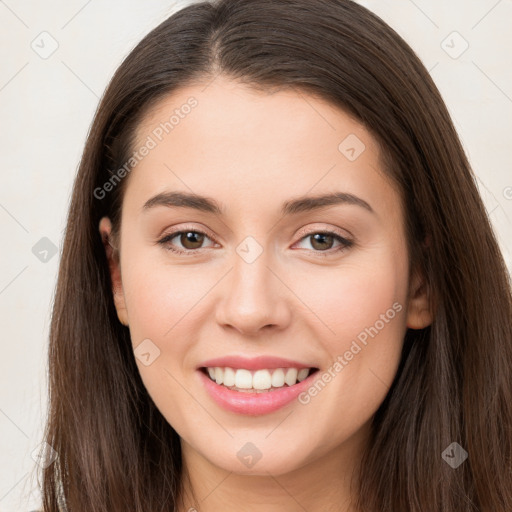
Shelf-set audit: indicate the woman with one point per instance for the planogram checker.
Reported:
(208, 350)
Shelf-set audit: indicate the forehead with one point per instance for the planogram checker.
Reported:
(245, 147)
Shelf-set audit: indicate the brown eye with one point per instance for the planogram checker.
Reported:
(185, 241)
(191, 239)
(322, 241)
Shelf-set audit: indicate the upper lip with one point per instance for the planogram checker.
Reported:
(253, 363)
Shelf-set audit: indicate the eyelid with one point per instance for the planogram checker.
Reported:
(302, 233)
(183, 229)
(187, 227)
(331, 229)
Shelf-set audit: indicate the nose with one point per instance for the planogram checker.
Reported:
(253, 298)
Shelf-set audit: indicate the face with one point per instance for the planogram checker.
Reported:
(264, 274)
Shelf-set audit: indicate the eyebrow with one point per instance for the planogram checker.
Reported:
(290, 207)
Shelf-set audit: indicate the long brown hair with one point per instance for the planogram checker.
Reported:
(454, 383)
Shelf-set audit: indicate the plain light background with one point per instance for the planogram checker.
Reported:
(47, 103)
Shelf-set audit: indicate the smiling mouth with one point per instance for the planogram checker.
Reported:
(257, 381)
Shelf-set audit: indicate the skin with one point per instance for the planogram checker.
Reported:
(252, 151)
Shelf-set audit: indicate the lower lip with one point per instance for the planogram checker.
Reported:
(254, 404)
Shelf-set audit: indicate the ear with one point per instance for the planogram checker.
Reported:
(105, 228)
(419, 313)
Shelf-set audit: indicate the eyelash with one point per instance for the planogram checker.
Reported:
(346, 244)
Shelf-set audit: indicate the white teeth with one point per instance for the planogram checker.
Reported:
(243, 379)
(303, 373)
(259, 379)
(262, 380)
(291, 376)
(278, 378)
(229, 377)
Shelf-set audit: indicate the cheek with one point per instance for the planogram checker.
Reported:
(363, 322)
(365, 309)
(161, 297)
(352, 297)
(163, 302)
